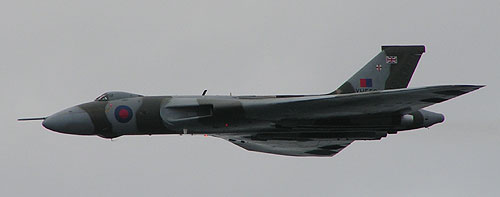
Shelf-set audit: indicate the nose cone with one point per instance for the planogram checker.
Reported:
(70, 121)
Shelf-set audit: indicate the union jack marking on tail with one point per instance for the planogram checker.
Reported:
(391, 59)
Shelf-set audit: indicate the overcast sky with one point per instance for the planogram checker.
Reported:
(56, 54)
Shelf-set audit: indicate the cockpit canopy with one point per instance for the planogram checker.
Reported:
(115, 95)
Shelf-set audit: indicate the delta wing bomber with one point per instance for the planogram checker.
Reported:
(373, 103)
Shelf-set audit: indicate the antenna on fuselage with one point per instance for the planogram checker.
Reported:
(204, 92)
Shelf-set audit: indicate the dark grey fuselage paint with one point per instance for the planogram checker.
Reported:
(148, 115)
(96, 111)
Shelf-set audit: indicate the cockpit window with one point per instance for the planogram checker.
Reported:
(103, 97)
(115, 95)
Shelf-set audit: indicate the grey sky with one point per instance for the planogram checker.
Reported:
(55, 54)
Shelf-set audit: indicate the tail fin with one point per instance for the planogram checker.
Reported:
(390, 69)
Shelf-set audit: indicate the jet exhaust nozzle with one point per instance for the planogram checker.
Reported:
(420, 119)
(407, 120)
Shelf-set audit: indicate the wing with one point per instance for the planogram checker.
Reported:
(307, 144)
(400, 100)
(386, 101)
(412, 99)
(290, 144)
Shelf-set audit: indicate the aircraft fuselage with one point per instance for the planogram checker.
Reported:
(148, 115)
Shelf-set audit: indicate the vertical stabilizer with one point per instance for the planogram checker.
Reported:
(390, 69)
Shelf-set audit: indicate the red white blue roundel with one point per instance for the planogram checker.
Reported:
(123, 113)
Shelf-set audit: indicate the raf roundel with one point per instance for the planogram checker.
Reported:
(123, 113)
